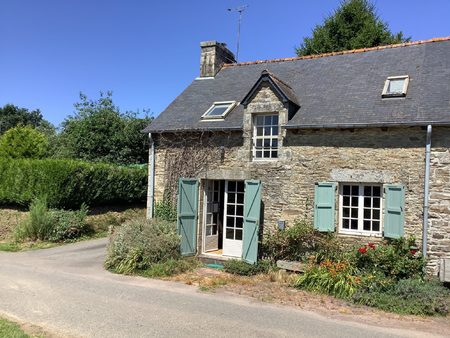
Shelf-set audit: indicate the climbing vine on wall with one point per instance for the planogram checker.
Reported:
(188, 155)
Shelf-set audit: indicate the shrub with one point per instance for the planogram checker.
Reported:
(52, 225)
(298, 242)
(166, 211)
(408, 296)
(333, 278)
(171, 267)
(40, 223)
(139, 244)
(242, 268)
(23, 142)
(69, 225)
(395, 260)
(68, 183)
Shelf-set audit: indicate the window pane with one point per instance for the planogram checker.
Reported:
(267, 143)
(230, 234)
(208, 230)
(375, 226)
(367, 213)
(366, 226)
(240, 198)
(259, 131)
(354, 224)
(376, 214)
(396, 86)
(268, 120)
(230, 210)
(239, 222)
(231, 197)
(274, 143)
(275, 119)
(346, 201)
(367, 191)
(376, 191)
(258, 154)
(354, 201)
(355, 212)
(346, 190)
(240, 186)
(274, 154)
(345, 223)
(275, 131)
(267, 131)
(376, 202)
(346, 212)
(238, 234)
(218, 110)
(231, 186)
(240, 210)
(230, 222)
(267, 154)
(367, 201)
(355, 190)
(259, 143)
(259, 120)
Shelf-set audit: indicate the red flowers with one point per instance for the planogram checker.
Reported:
(372, 246)
(362, 249)
(413, 251)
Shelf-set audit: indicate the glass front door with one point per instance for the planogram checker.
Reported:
(233, 218)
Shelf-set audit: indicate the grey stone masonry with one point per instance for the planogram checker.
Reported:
(213, 56)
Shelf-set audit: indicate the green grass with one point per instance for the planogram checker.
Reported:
(170, 268)
(11, 330)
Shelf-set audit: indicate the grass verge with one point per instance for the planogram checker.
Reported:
(11, 330)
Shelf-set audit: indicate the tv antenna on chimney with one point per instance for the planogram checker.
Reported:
(239, 9)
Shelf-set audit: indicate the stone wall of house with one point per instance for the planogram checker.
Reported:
(439, 214)
(366, 155)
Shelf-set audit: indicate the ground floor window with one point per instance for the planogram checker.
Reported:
(360, 209)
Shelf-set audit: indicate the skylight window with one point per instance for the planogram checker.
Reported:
(218, 110)
(396, 86)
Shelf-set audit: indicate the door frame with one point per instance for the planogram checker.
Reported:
(204, 210)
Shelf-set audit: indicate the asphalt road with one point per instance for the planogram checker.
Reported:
(66, 291)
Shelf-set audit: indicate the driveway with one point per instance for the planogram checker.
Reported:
(66, 291)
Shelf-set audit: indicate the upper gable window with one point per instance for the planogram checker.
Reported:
(265, 137)
(396, 86)
(218, 110)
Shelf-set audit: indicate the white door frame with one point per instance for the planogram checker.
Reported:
(207, 185)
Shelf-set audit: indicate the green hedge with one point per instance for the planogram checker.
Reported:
(69, 183)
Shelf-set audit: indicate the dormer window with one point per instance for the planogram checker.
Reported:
(396, 86)
(218, 110)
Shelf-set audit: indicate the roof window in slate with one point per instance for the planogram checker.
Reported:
(218, 110)
(395, 86)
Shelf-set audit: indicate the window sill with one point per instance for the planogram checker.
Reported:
(360, 233)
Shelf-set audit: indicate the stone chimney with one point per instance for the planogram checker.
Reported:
(213, 55)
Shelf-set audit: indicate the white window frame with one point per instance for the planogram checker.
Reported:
(255, 137)
(360, 231)
(399, 94)
(206, 117)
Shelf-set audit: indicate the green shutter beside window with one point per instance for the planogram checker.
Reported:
(187, 215)
(324, 206)
(394, 210)
(252, 214)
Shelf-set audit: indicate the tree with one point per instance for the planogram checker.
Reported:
(23, 142)
(98, 131)
(12, 116)
(353, 25)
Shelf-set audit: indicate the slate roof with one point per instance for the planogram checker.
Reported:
(340, 89)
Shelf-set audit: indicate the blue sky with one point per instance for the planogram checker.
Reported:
(147, 52)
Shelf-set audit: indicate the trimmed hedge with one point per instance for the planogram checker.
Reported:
(69, 183)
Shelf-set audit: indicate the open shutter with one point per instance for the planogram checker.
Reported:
(252, 214)
(187, 215)
(394, 206)
(324, 206)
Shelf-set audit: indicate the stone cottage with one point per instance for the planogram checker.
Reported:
(357, 142)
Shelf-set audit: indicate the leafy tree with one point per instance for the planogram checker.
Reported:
(353, 25)
(98, 131)
(12, 116)
(23, 142)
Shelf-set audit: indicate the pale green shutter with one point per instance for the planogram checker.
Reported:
(187, 215)
(252, 214)
(394, 214)
(324, 206)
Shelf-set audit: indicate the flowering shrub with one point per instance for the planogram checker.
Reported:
(395, 260)
(334, 278)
